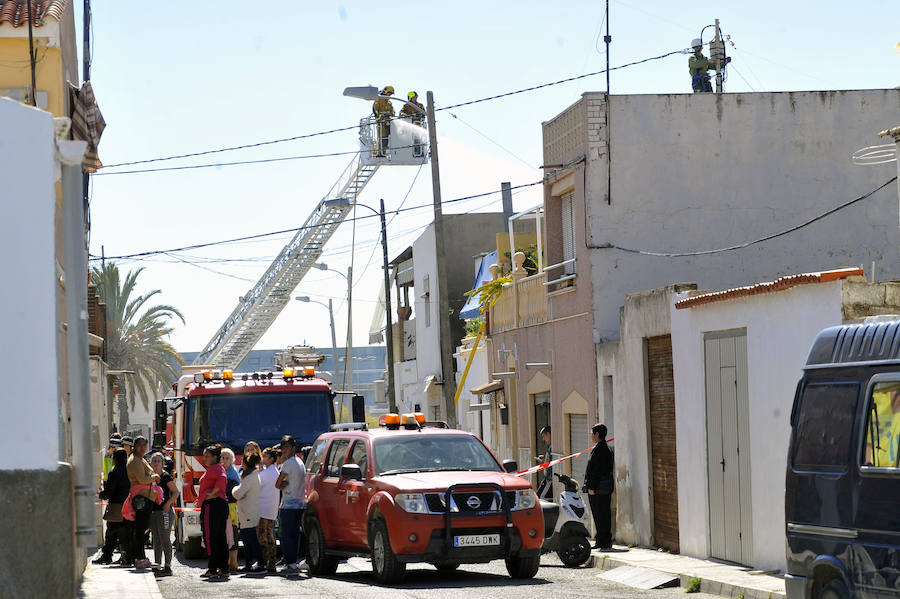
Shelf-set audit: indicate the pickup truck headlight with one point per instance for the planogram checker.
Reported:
(525, 499)
(414, 503)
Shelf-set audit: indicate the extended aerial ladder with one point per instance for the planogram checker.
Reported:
(258, 309)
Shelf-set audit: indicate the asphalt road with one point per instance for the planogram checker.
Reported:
(354, 580)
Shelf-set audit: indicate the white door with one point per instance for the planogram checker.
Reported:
(728, 446)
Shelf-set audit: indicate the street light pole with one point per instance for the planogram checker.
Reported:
(307, 299)
(449, 384)
(389, 325)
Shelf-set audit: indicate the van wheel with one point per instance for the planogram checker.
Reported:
(320, 563)
(835, 589)
(523, 567)
(385, 565)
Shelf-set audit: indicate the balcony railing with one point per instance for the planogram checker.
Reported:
(522, 303)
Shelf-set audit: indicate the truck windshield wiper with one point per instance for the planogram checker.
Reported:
(407, 471)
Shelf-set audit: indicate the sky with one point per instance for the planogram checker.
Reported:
(176, 78)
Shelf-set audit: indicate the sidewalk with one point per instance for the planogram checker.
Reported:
(103, 582)
(718, 578)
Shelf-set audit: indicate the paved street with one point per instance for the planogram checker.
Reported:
(354, 579)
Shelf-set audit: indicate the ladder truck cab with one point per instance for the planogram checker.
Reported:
(219, 406)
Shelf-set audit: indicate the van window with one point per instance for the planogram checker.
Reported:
(880, 444)
(824, 426)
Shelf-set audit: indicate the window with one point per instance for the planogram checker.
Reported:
(824, 426)
(360, 457)
(336, 457)
(316, 455)
(567, 211)
(881, 444)
(397, 454)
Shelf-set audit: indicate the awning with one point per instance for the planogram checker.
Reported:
(482, 276)
(494, 385)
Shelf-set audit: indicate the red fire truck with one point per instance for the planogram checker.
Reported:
(218, 406)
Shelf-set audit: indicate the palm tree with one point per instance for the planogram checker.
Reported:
(137, 342)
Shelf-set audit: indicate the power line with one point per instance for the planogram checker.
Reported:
(755, 241)
(339, 129)
(567, 80)
(236, 163)
(231, 148)
(296, 229)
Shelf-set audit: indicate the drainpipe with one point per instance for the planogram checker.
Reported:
(69, 154)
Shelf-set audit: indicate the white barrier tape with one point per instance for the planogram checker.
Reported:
(552, 463)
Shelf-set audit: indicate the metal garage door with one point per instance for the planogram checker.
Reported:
(662, 441)
(578, 440)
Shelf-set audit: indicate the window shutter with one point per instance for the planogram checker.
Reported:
(567, 201)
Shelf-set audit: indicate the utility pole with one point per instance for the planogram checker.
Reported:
(449, 383)
(607, 39)
(86, 71)
(31, 56)
(389, 325)
(719, 60)
(506, 195)
(334, 354)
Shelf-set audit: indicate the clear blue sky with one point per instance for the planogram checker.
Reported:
(181, 77)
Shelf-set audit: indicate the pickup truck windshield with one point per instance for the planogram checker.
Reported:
(235, 418)
(431, 453)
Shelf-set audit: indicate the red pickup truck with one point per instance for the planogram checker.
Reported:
(413, 491)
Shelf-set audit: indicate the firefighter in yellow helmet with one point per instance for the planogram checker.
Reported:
(384, 112)
(414, 112)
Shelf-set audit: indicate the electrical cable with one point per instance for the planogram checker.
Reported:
(567, 80)
(755, 241)
(235, 163)
(296, 229)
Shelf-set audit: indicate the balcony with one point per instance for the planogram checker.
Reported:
(522, 303)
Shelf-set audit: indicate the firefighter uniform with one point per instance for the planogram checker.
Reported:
(384, 112)
(414, 112)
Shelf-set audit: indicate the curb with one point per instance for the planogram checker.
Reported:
(604, 561)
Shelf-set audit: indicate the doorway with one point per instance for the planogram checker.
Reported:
(728, 446)
(664, 463)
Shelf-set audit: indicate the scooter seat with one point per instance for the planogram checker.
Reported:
(551, 515)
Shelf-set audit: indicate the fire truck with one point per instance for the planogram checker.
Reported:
(219, 406)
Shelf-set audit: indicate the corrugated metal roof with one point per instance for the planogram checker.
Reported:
(771, 287)
(16, 15)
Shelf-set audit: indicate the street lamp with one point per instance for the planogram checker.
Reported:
(334, 358)
(348, 348)
(371, 94)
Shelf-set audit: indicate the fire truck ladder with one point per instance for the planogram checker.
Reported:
(259, 308)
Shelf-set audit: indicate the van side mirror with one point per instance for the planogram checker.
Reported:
(511, 466)
(351, 472)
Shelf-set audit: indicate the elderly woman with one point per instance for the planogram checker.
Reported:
(162, 516)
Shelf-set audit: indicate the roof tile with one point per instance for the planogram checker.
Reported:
(16, 15)
(781, 284)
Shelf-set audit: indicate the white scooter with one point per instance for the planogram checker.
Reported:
(566, 525)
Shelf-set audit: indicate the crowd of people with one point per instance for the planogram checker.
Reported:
(235, 504)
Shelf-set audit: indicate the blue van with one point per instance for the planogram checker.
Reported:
(842, 499)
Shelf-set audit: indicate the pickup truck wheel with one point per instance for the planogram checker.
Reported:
(523, 567)
(385, 565)
(448, 567)
(319, 562)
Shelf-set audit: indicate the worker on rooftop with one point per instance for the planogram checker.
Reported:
(414, 112)
(384, 112)
(698, 65)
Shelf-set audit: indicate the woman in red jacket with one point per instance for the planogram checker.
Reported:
(214, 512)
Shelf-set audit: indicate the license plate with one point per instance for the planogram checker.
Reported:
(475, 540)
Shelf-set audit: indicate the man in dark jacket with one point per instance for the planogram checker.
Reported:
(598, 481)
(115, 492)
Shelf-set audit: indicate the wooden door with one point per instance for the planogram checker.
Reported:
(661, 385)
